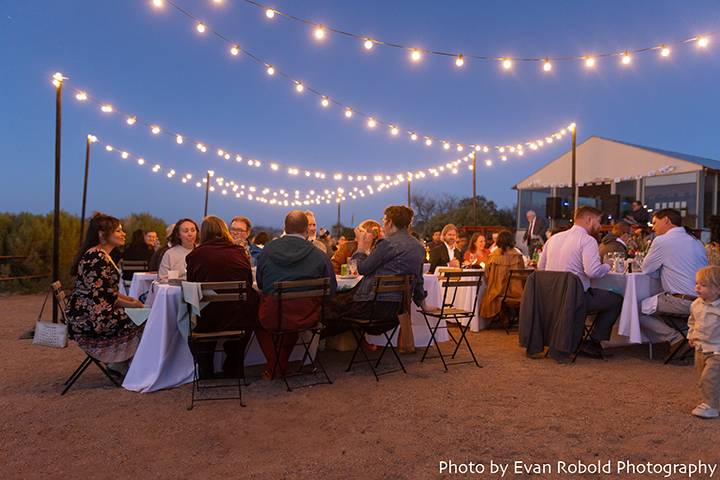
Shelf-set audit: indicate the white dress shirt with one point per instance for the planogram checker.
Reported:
(451, 251)
(573, 251)
(677, 256)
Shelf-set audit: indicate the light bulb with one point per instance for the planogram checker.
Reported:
(415, 55)
(428, 141)
(477, 148)
(488, 162)
(270, 70)
(201, 27)
(348, 112)
(394, 130)
(590, 62)
(665, 51)
(626, 58)
(413, 136)
(155, 129)
(459, 61)
(92, 138)
(124, 155)
(131, 120)
(82, 96)
(179, 139)
(507, 64)
(270, 13)
(157, 3)
(107, 108)
(371, 122)
(109, 148)
(235, 50)
(325, 102)
(446, 145)
(547, 66)
(141, 161)
(368, 44)
(319, 32)
(459, 148)
(703, 41)
(299, 87)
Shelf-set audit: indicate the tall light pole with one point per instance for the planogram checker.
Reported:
(58, 82)
(474, 186)
(574, 173)
(90, 139)
(207, 192)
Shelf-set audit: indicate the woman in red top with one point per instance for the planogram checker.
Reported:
(477, 251)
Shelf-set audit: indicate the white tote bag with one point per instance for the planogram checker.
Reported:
(49, 334)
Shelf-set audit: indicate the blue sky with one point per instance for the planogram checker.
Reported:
(154, 64)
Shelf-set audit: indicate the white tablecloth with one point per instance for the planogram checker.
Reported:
(163, 358)
(141, 283)
(634, 287)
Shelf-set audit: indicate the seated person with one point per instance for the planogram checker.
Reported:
(617, 240)
(477, 252)
(260, 240)
(676, 256)
(240, 229)
(138, 250)
(312, 232)
(497, 270)
(218, 259)
(347, 248)
(182, 240)
(156, 258)
(576, 251)
(290, 257)
(446, 254)
(95, 309)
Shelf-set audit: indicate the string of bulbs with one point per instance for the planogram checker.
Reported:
(202, 146)
(321, 32)
(326, 101)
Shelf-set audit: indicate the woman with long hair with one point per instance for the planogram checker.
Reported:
(477, 251)
(182, 240)
(219, 259)
(497, 271)
(96, 318)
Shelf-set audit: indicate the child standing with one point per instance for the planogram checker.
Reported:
(704, 335)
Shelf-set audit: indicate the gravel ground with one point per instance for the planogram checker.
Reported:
(513, 409)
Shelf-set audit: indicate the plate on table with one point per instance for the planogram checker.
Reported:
(347, 277)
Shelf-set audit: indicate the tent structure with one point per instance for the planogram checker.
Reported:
(611, 174)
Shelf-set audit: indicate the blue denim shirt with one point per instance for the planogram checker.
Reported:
(397, 254)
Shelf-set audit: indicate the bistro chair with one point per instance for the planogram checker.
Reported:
(130, 267)
(216, 292)
(316, 290)
(588, 328)
(375, 325)
(59, 295)
(679, 324)
(511, 305)
(450, 314)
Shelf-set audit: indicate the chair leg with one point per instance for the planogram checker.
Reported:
(463, 336)
(194, 385)
(587, 331)
(358, 345)
(278, 338)
(392, 349)
(433, 331)
(80, 367)
(71, 381)
(105, 371)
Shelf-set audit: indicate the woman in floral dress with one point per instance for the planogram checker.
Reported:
(96, 317)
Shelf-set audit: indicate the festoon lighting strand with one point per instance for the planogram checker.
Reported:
(321, 32)
(326, 101)
(203, 146)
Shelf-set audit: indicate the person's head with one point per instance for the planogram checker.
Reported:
(505, 241)
(707, 283)
(312, 224)
(477, 242)
(151, 239)
(296, 223)
(622, 230)
(396, 218)
(214, 228)
(261, 238)
(371, 226)
(588, 218)
(449, 234)
(495, 237)
(341, 240)
(530, 215)
(437, 236)
(103, 230)
(462, 241)
(665, 219)
(636, 205)
(185, 233)
(240, 228)
(137, 238)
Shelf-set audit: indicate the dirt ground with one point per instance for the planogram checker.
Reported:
(514, 408)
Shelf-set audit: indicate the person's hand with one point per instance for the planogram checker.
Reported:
(364, 239)
(135, 303)
(691, 343)
(454, 263)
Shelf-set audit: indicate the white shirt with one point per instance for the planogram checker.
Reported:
(174, 259)
(451, 251)
(677, 256)
(531, 228)
(704, 325)
(573, 251)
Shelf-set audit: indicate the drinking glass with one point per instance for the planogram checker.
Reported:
(352, 267)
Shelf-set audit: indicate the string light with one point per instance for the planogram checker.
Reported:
(394, 130)
(155, 129)
(270, 70)
(319, 32)
(415, 55)
(547, 66)
(107, 108)
(235, 50)
(459, 61)
(368, 44)
(348, 112)
(325, 102)
(179, 139)
(626, 58)
(590, 62)
(507, 63)
(299, 87)
(664, 51)
(270, 13)
(201, 27)
(131, 120)
(81, 96)
(703, 41)
(158, 3)
(371, 123)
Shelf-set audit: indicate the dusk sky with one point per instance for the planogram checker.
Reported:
(154, 64)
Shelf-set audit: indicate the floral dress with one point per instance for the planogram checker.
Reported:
(100, 327)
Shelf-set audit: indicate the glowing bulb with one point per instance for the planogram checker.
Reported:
(92, 138)
(459, 61)
(665, 52)
(446, 145)
(131, 120)
(477, 148)
(703, 41)
(626, 58)
(82, 96)
(319, 32)
(507, 64)
(109, 148)
(124, 155)
(179, 139)
(371, 122)
(270, 13)
(590, 62)
(155, 129)
(368, 44)
(488, 162)
(394, 130)
(325, 102)
(415, 55)
(428, 141)
(571, 127)
(201, 27)
(348, 112)
(413, 136)
(157, 3)
(460, 148)
(107, 108)
(299, 87)
(141, 161)
(235, 50)
(270, 70)
(547, 66)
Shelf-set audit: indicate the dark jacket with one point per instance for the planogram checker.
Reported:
(439, 257)
(552, 313)
(222, 261)
(138, 252)
(539, 230)
(397, 254)
(154, 264)
(610, 244)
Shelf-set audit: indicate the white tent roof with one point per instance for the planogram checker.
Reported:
(605, 160)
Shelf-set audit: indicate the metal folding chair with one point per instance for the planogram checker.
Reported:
(587, 331)
(679, 324)
(131, 267)
(59, 295)
(216, 292)
(374, 325)
(448, 313)
(318, 290)
(511, 305)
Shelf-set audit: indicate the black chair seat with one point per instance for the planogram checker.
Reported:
(447, 312)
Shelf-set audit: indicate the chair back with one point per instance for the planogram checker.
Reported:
(392, 284)
(132, 266)
(518, 275)
(310, 290)
(218, 292)
(59, 295)
(456, 280)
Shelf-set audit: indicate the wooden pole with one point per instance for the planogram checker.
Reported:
(56, 211)
(85, 184)
(207, 192)
(574, 173)
(339, 231)
(408, 182)
(474, 186)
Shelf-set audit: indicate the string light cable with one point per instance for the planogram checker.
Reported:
(372, 122)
